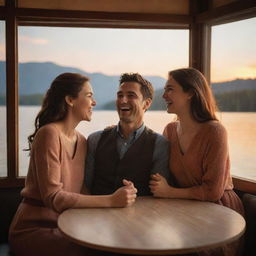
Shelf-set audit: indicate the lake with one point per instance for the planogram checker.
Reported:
(241, 129)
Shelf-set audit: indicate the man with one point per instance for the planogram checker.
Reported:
(129, 150)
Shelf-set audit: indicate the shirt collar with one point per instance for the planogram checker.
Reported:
(135, 134)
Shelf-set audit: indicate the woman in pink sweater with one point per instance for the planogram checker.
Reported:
(199, 158)
(56, 172)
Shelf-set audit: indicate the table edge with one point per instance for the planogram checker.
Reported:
(153, 252)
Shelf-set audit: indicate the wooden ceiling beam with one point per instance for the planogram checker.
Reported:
(93, 15)
(228, 13)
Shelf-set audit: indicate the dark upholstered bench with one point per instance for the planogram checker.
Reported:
(4, 250)
(249, 202)
(9, 200)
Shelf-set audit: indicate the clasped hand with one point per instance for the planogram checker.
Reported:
(159, 186)
(124, 196)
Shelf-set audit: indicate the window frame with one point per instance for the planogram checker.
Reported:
(199, 21)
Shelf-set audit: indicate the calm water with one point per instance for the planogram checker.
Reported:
(241, 130)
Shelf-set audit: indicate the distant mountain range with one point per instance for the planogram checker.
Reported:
(35, 79)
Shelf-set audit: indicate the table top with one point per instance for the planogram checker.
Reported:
(153, 226)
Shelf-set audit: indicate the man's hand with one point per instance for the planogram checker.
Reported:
(124, 196)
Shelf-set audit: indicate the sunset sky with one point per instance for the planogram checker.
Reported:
(149, 52)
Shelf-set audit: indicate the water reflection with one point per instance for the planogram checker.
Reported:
(241, 133)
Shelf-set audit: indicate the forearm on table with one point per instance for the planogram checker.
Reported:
(85, 201)
(201, 192)
(182, 193)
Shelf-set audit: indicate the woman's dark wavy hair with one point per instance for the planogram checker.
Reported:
(54, 107)
(203, 104)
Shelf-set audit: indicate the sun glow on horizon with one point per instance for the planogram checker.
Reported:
(245, 72)
(233, 54)
(242, 72)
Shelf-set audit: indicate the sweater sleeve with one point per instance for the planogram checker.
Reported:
(215, 166)
(47, 162)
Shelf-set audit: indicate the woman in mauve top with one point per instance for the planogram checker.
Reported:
(199, 158)
(56, 172)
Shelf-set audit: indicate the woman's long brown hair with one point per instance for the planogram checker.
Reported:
(203, 104)
(54, 106)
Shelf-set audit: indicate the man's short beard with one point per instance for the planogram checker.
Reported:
(125, 120)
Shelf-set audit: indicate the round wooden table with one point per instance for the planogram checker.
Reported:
(153, 226)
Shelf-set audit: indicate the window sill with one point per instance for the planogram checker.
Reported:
(9, 183)
(244, 184)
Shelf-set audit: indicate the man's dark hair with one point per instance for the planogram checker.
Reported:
(146, 87)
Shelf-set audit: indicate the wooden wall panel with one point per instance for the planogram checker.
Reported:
(230, 12)
(218, 3)
(133, 6)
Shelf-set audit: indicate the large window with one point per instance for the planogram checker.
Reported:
(102, 54)
(233, 74)
(3, 141)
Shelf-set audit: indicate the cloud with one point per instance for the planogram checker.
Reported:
(32, 40)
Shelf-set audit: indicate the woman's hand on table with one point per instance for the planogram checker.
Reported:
(160, 187)
(124, 196)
